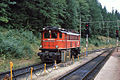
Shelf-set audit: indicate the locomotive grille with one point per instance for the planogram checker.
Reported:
(49, 44)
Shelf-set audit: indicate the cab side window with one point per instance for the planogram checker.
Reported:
(60, 35)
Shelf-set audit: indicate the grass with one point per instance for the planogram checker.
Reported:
(18, 63)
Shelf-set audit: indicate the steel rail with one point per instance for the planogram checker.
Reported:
(105, 58)
(84, 69)
(23, 71)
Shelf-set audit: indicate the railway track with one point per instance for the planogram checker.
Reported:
(23, 72)
(89, 69)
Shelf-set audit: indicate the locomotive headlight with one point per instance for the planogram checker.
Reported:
(43, 28)
(56, 46)
(40, 46)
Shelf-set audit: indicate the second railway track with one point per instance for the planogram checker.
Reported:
(87, 71)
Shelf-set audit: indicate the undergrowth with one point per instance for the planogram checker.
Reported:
(98, 41)
(17, 43)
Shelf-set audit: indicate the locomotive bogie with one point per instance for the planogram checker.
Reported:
(49, 56)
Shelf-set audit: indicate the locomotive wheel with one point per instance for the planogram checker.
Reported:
(51, 60)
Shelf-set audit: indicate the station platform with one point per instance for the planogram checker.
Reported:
(111, 70)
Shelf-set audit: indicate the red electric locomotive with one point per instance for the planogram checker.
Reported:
(55, 41)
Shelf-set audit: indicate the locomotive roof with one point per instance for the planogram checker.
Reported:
(60, 30)
(70, 33)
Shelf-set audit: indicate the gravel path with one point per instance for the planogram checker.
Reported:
(111, 70)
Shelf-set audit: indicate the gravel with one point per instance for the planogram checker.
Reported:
(52, 73)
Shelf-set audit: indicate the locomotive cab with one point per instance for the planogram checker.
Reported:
(49, 39)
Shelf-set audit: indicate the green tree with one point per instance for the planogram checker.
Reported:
(71, 20)
(96, 15)
(4, 14)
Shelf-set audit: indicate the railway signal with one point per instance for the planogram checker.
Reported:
(117, 33)
(87, 28)
(87, 33)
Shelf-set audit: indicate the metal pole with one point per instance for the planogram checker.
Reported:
(99, 27)
(45, 68)
(73, 59)
(55, 64)
(118, 33)
(31, 72)
(108, 36)
(117, 44)
(86, 44)
(117, 41)
(117, 37)
(108, 32)
(11, 66)
(80, 32)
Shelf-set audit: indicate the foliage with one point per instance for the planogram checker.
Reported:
(98, 41)
(17, 43)
(3, 19)
(35, 14)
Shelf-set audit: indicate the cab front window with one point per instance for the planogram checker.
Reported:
(46, 35)
(54, 35)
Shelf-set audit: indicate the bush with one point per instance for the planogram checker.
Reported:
(98, 41)
(17, 43)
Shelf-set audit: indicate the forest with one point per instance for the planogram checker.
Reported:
(22, 20)
(33, 15)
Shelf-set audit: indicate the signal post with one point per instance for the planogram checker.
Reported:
(117, 36)
(87, 33)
